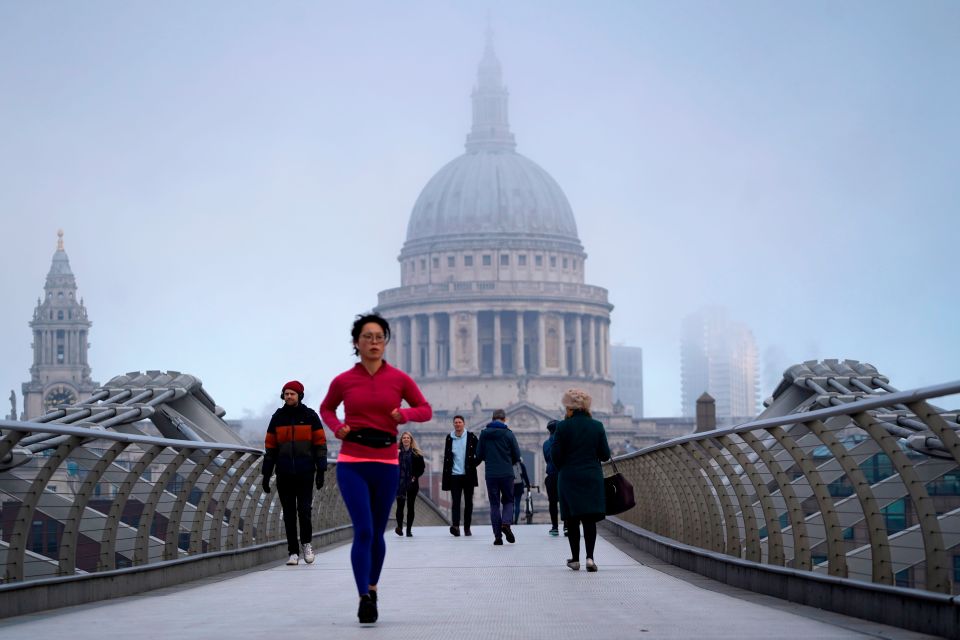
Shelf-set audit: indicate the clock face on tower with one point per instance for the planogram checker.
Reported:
(58, 396)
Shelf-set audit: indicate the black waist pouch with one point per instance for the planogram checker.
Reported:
(373, 438)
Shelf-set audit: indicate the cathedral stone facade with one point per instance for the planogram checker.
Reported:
(60, 373)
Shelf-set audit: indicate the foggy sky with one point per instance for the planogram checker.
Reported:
(234, 179)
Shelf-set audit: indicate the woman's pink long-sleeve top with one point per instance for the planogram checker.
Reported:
(367, 402)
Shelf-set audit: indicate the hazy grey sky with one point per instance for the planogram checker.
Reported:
(234, 178)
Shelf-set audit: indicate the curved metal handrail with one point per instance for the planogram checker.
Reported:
(865, 488)
(92, 500)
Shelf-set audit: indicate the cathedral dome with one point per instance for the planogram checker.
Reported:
(492, 192)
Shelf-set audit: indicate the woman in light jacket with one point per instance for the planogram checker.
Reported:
(579, 446)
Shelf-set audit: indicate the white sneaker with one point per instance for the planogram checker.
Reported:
(293, 560)
(308, 556)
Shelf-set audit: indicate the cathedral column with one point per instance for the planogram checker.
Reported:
(521, 365)
(497, 357)
(432, 344)
(452, 341)
(591, 367)
(604, 348)
(578, 346)
(541, 343)
(563, 344)
(414, 346)
(396, 343)
(475, 328)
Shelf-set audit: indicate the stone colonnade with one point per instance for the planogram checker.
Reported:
(504, 342)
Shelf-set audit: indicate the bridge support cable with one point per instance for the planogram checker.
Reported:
(171, 544)
(774, 536)
(717, 496)
(69, 539)
(800, 558)
(692, 496)
(937, 578)
(747, 523)
(882, 570)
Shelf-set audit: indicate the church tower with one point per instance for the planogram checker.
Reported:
(60, 373)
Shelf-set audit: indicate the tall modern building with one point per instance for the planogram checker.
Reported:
(61, 372)
(719, 356)
(626, 368)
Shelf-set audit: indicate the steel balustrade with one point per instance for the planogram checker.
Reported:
(95, 500)
(842, 486)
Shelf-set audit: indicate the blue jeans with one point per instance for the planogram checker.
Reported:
(368, 490)
(500, 493)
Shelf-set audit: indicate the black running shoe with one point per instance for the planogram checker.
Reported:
(508, 534)
(367, 613)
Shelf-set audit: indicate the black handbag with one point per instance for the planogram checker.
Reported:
(619, 492)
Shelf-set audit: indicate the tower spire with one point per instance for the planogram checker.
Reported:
(491, 125)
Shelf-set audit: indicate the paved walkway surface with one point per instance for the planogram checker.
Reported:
(438, 586)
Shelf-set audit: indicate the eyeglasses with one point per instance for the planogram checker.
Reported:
(373, 337)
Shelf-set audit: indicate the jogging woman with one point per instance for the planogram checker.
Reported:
(371, 394)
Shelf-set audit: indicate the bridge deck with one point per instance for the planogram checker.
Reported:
(438, 586)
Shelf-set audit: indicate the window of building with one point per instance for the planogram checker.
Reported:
(486, 260)
(468, 261)
(522, 260)
(575, 263)
(59, 315)
(565, 262)
(423, 264)
(504, 259)
(553, 262)
(436, 263)
(451, 261)
(538, 261)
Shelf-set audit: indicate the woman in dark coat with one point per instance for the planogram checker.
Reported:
(579, 446)
(411, 467)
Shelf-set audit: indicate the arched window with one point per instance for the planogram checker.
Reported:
(59, 315)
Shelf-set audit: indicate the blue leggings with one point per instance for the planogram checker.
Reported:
(368, 490)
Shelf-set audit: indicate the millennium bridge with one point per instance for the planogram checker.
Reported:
(834, 514)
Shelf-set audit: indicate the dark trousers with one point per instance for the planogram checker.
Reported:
(500, 494)
(552, 499)
(461, 487)
(517, 499)
(589, 536)
(296, 499)
(409, 499)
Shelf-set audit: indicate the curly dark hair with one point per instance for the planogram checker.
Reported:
(366, 318)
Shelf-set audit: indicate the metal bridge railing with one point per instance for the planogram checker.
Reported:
(867, 488)
(80, 500)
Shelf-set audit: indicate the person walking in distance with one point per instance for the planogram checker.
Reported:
(521, 482)
(551, 479)
(296, 448)
(579, 446)
(371, 394)
(460, 473)
(498, 449)
(411, 468)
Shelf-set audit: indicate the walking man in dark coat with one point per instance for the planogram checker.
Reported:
(460, 473)
(499, 451)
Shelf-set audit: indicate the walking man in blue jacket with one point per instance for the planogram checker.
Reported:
(499, 451)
